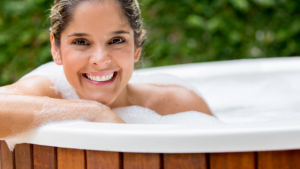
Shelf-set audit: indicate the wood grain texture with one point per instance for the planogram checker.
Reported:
(184, 161)
(70, 158)
(279, 159)
(141, 161)
(232, 160)
(0, 155)
(7, 157)
(24, 156)
(44, 157)
(103, 160)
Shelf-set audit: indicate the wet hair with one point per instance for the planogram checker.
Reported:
(61, 15)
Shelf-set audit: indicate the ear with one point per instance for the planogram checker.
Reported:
(55, 51)
(137, 54)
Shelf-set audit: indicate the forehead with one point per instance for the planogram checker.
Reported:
(98, 16)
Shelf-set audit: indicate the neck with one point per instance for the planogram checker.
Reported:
(122, 99)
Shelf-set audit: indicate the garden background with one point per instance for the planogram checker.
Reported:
(179, 31)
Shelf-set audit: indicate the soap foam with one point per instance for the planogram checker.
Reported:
(50, 113)
(248, 98)
(146, 116)
(56, 113)
(253, 98)
(141, 115)
(55, 73)
(23, 137)
(5, 91)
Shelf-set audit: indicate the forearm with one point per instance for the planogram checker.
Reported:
(19, 113)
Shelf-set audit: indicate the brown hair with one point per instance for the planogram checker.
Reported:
(61, 14)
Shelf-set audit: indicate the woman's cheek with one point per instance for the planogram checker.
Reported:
(76, 58)
(124, 56)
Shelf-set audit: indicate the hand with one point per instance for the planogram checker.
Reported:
(106, 115)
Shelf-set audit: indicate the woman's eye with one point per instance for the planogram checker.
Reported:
(80, 42)
(117, 41)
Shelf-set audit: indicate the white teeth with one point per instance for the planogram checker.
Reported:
(100, 78)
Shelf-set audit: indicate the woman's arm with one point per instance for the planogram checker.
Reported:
(19, 113)
(182, 100)
(23, 106)
(176, 99)
(167, 100)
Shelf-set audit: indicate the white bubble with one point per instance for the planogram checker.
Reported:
(141, 115)
(56, 75)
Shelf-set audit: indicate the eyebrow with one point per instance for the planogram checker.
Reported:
(79, 34)
(120, 32)
(113, 33)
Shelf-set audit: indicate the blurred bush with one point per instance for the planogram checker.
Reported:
(24, 37)
(208, 30)
(179, 32)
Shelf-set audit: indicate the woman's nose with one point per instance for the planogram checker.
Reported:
(100, 57)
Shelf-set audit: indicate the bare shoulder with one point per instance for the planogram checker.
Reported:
(34, 85)
(174, 99)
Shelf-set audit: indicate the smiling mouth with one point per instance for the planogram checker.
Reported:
(102, 78)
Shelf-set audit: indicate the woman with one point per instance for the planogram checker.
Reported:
(97, 42)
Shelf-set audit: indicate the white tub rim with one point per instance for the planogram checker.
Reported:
(281, 135)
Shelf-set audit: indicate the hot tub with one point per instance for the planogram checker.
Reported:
(269, 140)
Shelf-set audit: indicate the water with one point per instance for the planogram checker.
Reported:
(248, 98)
(135, 114)
(141, 115)
(253, 98)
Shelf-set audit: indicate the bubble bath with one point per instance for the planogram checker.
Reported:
(252, 100)
(232, 98)
(134, 114)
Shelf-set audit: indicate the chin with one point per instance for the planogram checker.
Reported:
(107, 101)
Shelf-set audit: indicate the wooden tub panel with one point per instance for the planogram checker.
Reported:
(232, 160)
(141, 160)
(23, 156)
(28, 156)
(0, 156)
(184, 161)
(279, 159)
(44, 157)
(70, 158)
(103, 160)
(7, 157)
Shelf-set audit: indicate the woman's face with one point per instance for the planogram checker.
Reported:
(97, 51)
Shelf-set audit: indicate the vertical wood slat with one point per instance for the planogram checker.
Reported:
(44, 157)
(7, 157)
(103, 160)
(23, 156)
(232, 160)
(184, 161)
(0, 155)
(279, 159)
(141, 160)
(70, 158)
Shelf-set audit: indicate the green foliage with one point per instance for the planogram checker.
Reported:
(209, 30)
(24, 39)
(179, 32)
